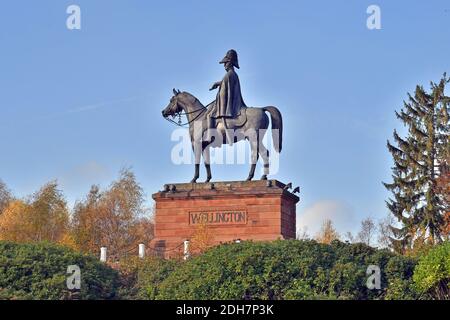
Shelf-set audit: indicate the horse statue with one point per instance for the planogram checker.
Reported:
(251, 125)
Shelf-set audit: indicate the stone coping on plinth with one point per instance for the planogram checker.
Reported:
(224, 189)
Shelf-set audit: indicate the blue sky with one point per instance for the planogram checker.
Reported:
(78, 105)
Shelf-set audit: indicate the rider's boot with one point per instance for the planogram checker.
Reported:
(209, 134)
(228, 133)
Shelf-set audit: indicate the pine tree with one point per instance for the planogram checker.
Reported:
(418, 203)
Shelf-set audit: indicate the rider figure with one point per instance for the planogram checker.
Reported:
(229, 100)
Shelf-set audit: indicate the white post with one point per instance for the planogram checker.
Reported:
(186, 249)
(103, 254)
(141, 250)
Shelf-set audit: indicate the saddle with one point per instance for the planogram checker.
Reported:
(232, 123)
(239, 121)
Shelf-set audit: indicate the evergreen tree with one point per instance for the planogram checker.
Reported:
(418, 203)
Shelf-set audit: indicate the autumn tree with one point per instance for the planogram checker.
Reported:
(201, 239)
(86, 228)
(15, 222)
(42, 217)
(385, 233)
(115, 218)
(367, 232)
(327, 233)
(302, 234)
(5, 196)
(443, 187)
(446, 226)
(348, 237)
(417, 202)
(49, 213)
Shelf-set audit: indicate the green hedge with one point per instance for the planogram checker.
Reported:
(140, 278)
(432, 274)
(38, 271)
(288, 269)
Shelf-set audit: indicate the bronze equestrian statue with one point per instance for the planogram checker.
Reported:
(226, 120)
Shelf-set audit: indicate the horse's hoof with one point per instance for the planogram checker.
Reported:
(264, 177)
(249, 179)
(207, 180)
(194, 180)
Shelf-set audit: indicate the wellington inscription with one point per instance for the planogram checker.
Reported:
(228, 217)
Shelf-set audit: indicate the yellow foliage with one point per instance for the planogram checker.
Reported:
(68, 241)
(114, 218)
(43, 218)
(201, 239)
(327, 233)
(14, 222)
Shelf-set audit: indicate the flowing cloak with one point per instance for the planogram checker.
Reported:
(229, 99)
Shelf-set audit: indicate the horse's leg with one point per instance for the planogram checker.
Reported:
(208, 172)
(197, 153)
(265, 155)
(254, 148)
(196, 174)
(206, 158)
(262, 150)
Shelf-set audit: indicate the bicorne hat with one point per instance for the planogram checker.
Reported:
(232, 57)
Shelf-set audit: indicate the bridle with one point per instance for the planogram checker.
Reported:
(179, 114)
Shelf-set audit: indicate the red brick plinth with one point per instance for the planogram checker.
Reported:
(250, 210)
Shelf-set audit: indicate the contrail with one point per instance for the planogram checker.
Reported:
(80, 109)
(99, 105)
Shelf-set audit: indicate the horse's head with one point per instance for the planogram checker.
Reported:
(174, 106)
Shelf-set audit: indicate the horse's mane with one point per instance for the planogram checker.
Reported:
(192, 98)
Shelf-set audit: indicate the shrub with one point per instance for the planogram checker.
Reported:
(140, 278)
(38, 271)
(151, 274)
(432, 273)
(288, 269)
(399, 273)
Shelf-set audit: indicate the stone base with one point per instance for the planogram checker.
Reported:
(250, 210)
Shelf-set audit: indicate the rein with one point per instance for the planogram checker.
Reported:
(179, 114)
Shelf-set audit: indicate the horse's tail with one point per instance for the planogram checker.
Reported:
(277, 127)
